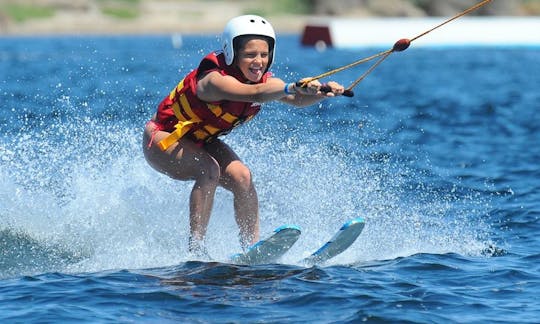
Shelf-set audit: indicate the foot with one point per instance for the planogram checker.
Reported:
(198, 250)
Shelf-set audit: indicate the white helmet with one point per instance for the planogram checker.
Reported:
(246, 25)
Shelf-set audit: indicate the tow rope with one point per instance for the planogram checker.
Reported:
(399, 46)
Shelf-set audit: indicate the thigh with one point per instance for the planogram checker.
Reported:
(223, 154)
(184, 160)
(233, 170)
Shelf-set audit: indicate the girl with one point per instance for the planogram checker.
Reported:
(227, 89)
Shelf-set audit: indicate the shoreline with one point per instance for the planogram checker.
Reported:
(153, 17)
(84, 17)
(344, 32)
(74, 25)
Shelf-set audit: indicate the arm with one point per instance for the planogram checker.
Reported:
(216, 87)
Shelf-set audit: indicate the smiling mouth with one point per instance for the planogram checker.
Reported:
(257, 71)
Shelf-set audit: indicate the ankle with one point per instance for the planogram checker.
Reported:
(197, 248)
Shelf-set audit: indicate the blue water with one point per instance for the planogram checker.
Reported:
(438, 151)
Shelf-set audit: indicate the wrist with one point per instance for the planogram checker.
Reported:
(290, 88)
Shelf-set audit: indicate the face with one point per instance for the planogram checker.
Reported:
(253, 59)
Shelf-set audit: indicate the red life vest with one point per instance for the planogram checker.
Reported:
(183, 114)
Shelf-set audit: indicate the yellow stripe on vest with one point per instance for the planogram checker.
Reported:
(201, 134)
(187, 109)
(218, 112)
(183, 126)
(178, 88)
(211, 129)
(215, 109)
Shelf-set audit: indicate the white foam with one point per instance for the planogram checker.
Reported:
(111, 209)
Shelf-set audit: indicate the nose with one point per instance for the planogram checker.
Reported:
(258, 58)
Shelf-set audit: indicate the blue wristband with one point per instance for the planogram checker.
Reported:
(286, 89)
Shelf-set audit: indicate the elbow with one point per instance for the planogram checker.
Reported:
(271, 90)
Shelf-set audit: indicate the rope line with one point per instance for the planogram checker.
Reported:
(399, 46)
(473, 8)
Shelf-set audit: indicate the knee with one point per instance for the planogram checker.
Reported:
(241, 178)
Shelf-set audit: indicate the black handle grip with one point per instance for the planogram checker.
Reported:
(326, 88)
(347, 93)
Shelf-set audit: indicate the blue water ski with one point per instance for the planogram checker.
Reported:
(270, 249)
(344, 238)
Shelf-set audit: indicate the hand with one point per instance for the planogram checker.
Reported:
(314, 87)
(308, 88)
(332, 89)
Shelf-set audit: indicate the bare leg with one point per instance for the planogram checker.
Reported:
(200, 207)
(186, 161)
(236, 177)
(246, 202)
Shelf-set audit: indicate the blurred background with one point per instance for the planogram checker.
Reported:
(20, 17)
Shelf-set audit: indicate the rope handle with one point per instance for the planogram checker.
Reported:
(325, 88)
